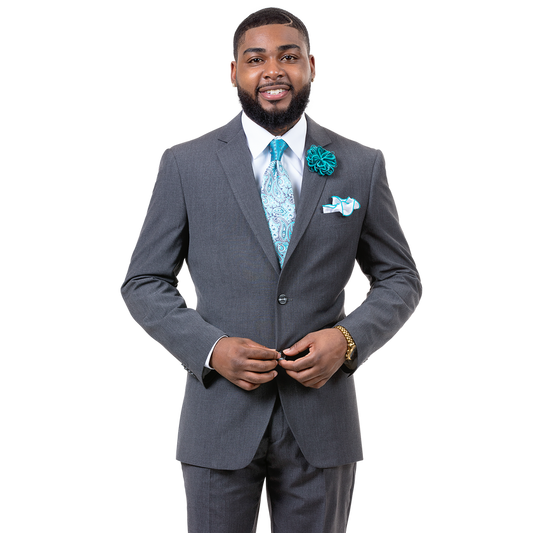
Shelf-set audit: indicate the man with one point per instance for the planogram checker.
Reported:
(271, 212)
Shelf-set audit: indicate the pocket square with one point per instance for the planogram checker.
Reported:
(344, 206)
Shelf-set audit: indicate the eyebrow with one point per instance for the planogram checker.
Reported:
(281, 48)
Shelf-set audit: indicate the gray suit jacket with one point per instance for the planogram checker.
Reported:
(206, 209)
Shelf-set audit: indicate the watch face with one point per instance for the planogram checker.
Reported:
(350, 354)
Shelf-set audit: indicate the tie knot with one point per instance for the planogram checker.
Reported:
(277, 147)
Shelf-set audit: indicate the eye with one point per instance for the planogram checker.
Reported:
(255, 60)
(289, 57)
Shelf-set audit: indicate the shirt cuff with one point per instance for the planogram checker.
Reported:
(206, 364)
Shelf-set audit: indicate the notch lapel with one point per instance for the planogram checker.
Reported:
(235, 158)
(312, 186)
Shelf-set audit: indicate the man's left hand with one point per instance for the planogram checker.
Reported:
(327, 350)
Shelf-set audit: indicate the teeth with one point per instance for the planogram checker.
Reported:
(276, 91)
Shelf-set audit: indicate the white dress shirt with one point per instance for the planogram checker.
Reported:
(293, 159)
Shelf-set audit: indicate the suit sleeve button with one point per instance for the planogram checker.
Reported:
(282, 299)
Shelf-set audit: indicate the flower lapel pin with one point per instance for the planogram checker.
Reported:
(321, 161)
(344, 206)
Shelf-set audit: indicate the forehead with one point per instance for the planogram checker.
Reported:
(271, 37)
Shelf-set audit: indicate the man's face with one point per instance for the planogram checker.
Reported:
(273, 73)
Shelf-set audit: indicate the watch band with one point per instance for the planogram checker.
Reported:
(351, 344)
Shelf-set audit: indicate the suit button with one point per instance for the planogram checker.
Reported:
(282, 299)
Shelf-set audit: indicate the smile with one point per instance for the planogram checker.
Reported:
(274, 93)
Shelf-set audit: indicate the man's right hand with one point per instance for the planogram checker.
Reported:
(245, 363)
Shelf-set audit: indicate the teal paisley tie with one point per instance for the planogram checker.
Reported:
(278, 200)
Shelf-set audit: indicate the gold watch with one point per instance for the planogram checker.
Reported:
(352, 347)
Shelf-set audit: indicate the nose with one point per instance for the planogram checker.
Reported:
(273, 70)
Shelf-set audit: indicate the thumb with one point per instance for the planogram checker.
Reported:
(297, 347)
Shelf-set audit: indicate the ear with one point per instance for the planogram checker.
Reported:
(234, 73)
(312, 65)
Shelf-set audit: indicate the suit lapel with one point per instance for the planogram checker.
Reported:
(312, 186)
(235, 158)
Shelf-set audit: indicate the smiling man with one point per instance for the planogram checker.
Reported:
(273, 71)
(269, 349)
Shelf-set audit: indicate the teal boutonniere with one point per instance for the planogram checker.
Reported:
(321, 161)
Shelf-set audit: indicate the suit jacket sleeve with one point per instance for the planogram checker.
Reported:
(150, 289)
(384, 256)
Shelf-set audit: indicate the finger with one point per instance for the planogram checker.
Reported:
(257, 378)
(244, 349)
(252, 344)
(260, 366)
(262, 353)
(303, 363)
(303, 376)
(314, 382)
(297, 347)
(251, 381)
(246, 385)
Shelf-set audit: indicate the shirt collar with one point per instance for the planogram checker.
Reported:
(258, 138)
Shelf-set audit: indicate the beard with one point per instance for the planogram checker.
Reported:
(275, 120)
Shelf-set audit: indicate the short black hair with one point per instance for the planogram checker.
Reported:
(264, 17)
